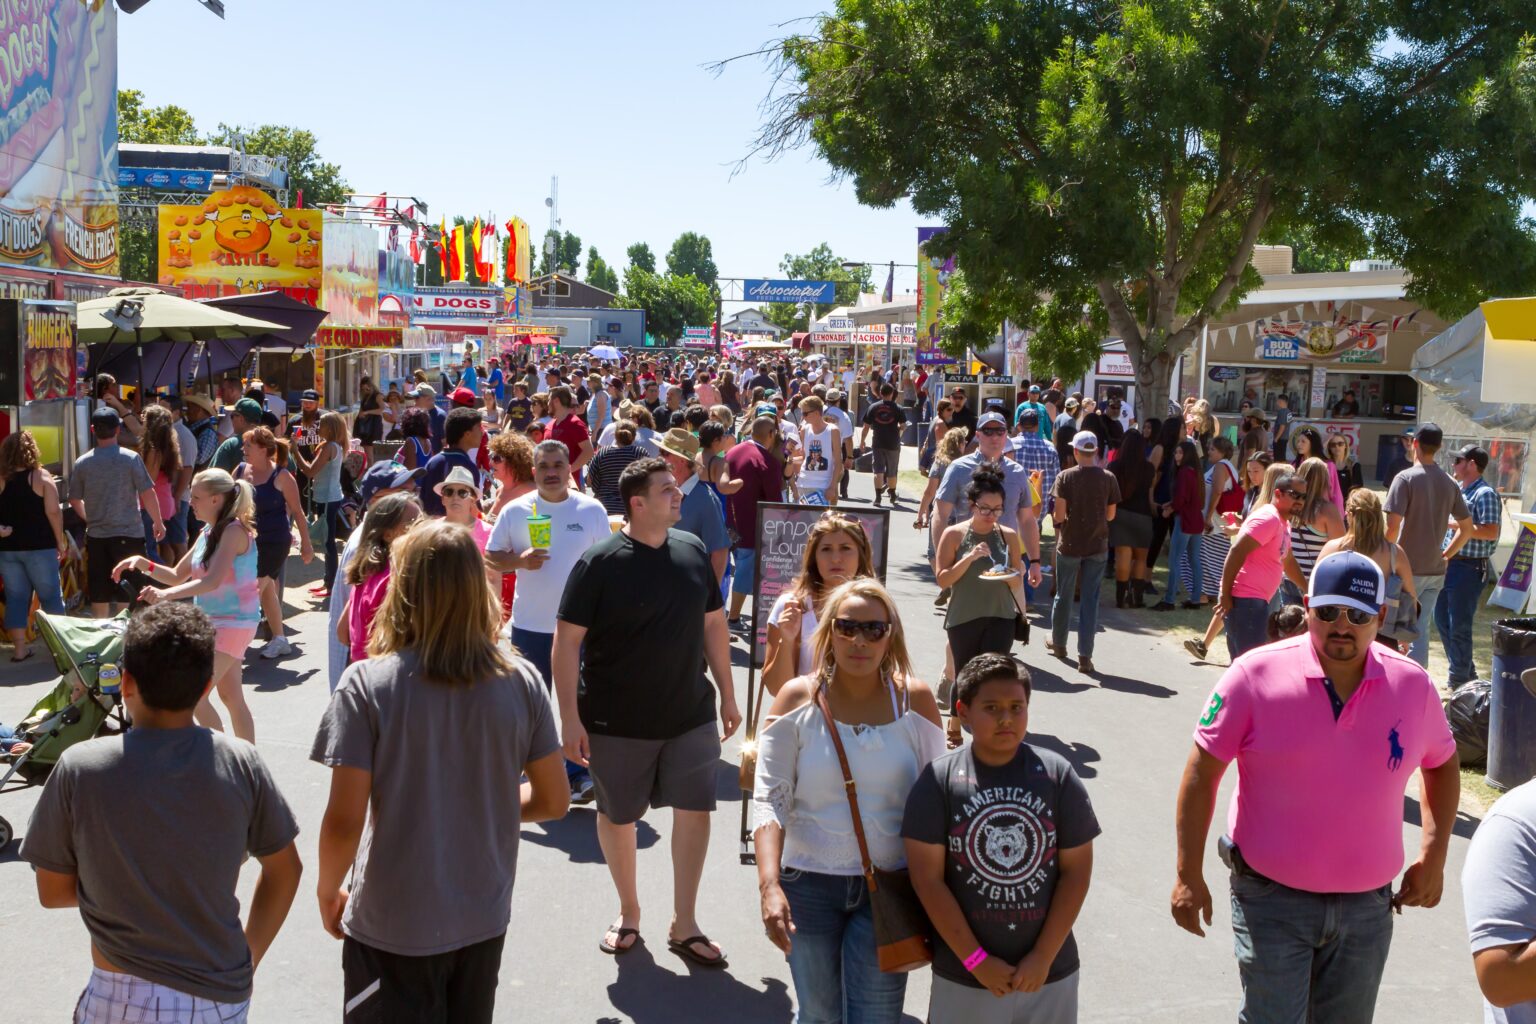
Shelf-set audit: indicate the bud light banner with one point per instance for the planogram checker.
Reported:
(820, 292)
(170, 180)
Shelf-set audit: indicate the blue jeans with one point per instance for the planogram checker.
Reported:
(1247, 625)
(151, 546)
(1184, 545)
(1454, 612)
(26, 573)
(1305, 956)
(538, 648)
(832, 958)
(1068, 567)
(1429, 588)
(331, 511)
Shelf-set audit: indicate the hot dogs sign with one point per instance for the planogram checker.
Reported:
(240, 240)
(58, 135)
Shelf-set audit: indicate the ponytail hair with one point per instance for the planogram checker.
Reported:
(237, 504)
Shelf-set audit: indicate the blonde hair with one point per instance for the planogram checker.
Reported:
(1272, 475)
(239, 509)
(952, 445)
(439, 605)
(333, 427)
(896, 665)
(1367, 522)
(1315, 473)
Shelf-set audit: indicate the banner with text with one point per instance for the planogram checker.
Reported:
(782, 533)
(58, 135)
(933, 275)
(1319, 341)
(821, 292)
(349, 288)
(240, 240)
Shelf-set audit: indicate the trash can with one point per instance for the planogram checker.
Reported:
(1512, 719)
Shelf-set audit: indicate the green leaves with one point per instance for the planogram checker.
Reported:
(671, 301)
(692, 255)
(1125, 155)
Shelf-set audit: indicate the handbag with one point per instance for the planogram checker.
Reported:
(902, 929)
(1402, 622)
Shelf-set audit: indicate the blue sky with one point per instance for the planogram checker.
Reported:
(654, 136)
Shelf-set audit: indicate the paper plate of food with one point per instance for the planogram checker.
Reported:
(999, 572)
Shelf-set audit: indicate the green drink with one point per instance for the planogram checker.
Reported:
(538, 531)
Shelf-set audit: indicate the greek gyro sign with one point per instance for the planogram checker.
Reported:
(789, 291)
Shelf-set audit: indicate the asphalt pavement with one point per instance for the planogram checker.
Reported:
(1127, 731)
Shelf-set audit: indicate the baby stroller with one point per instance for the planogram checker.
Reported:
(87, 701)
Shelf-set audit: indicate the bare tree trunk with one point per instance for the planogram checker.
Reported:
(1154, 385)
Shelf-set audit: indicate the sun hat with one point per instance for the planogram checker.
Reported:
(457, 476)
(680, 442)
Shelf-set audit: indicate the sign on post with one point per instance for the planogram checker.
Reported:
(820, 292)
(782, 532)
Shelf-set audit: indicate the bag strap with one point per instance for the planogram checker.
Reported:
(848, 786)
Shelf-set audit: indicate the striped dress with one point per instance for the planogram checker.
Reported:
(1214, 545)
(1306, 544)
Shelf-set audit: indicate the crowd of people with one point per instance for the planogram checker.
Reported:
(548, 561)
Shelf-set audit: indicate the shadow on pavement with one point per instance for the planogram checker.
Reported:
(680, 993)
(576, 835)
(1465, 823)
(271, 678)
(1136, 687)
(1081, 755)
(1041, 678)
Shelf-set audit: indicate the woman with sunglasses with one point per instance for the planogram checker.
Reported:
(815, 898)
(461, 505)
(1367, 535)
(975, 559)
(1341, 457)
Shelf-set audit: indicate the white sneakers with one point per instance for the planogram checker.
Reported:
(277, 647)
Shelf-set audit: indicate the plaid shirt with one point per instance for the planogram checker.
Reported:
(1486, 508)
(1031, 451)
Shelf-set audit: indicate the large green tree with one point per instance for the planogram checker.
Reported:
(138, 122)
(1105, 167)
(820, 264)
(320, 181)
(599, 273)
(640, 256)
(564, 255)
(692, 255)
(671, 301)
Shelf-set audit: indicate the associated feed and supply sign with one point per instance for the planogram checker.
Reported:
(58, 135)
(240, 240)
(819, 292)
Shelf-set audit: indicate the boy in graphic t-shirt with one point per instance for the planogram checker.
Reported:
(999, 845)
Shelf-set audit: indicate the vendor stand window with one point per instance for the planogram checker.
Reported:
(1506, 461)
(1392, 396)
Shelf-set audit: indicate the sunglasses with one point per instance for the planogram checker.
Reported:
(1330, 613)
(458, 492)
(873, 632)
(992, 431)
(1296, 495)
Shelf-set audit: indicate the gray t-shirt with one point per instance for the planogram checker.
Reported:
(156, 823)
(1002, 829)
(1498, 886)
(1016, 494)
(1427, 498)
(336, 652)
(109, 479)
(446, 804)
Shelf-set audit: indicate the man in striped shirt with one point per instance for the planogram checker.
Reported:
(1468, 571)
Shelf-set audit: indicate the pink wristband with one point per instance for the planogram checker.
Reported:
(974, 960)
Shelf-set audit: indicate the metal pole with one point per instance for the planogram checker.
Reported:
(892, 279)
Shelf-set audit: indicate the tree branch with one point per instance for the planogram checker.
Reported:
(1257, 218)
(1120, 316)
(1431, 77)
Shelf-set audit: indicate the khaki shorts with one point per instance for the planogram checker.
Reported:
(952, 1003)
(631, 776)
(886, 461)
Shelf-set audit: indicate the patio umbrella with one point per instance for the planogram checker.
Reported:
(144, 316)
(299, 320)
(763, 346)
(604, 352)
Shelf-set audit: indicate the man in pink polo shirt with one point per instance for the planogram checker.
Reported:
(1260, 558)
(1326, 728)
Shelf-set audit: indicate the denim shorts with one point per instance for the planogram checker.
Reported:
(176, 524)
(745, 572)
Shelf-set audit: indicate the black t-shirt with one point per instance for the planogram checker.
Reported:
(885, 420)
(762, 380)
(1001, 828)
(642, 670)
(965, 418)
